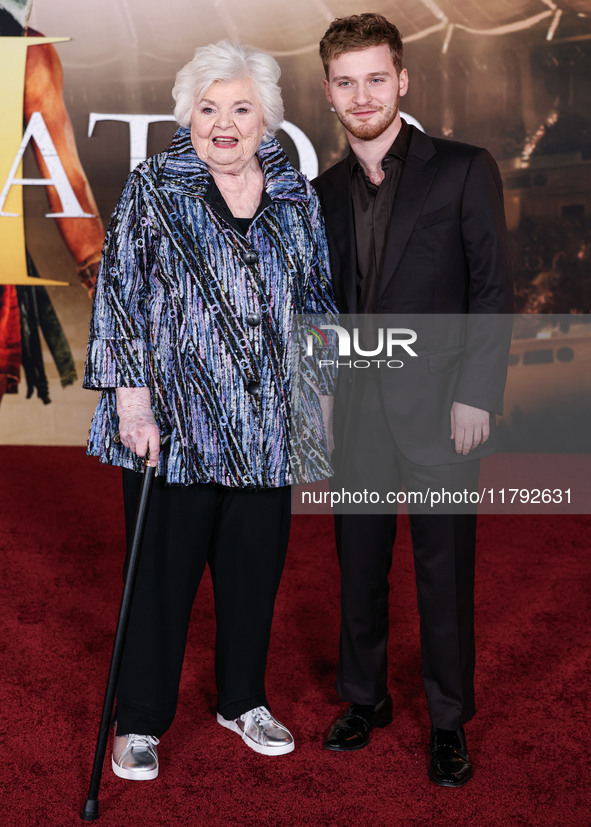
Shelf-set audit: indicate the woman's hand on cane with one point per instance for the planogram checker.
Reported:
(138, 430)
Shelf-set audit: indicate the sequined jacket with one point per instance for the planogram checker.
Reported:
(203, 316)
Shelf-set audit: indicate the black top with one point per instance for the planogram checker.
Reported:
(216, 201)
(372, 208)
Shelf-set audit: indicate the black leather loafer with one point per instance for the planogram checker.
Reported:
(351, 730)
(450, 763)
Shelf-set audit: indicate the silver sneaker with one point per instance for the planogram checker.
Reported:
(261, 731)
(135, 757)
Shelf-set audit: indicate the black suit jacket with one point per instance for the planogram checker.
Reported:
(446, 253)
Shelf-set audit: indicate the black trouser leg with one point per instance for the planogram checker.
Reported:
(444, 556)
(443, 548)
(364, 545)
(188, 525)
(246, 562)
(172, 561)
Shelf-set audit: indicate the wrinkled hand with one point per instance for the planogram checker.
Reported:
(327, 405)
(470, 427)
(138, 430)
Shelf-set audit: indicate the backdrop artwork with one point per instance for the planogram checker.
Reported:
(85, 94)
(512, 77)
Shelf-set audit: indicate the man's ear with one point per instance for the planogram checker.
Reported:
(403, 82)
(327, 90)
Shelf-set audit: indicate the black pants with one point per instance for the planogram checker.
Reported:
(444, 552)
(243, 536)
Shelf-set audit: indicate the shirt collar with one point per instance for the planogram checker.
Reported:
(399, 149)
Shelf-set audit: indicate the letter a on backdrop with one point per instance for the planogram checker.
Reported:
(13, 60)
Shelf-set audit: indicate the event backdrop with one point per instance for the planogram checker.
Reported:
(514, 77)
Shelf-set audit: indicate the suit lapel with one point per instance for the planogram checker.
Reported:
(415, 183)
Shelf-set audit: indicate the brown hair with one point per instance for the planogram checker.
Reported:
(359, 31)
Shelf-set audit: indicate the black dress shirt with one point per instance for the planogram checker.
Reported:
(372, 207)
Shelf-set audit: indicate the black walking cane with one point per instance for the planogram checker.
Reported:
(90, 810)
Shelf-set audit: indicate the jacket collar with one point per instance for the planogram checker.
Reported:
(418, 174)
(183, 172)
(420, 146)
(419, 169)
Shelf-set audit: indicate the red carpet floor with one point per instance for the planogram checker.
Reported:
(61, 548)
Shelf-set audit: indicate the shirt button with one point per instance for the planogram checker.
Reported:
(254, 388)
(249, 256)
(253, 319)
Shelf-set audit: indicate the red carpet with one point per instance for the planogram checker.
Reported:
(61, 546)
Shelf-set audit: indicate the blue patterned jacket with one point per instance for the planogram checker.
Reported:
(170, 312)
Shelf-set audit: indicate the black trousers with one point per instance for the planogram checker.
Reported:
(444, 553)
(242, 535)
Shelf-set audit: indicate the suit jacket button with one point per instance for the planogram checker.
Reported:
(253, 319)
(254, 388)
(249, 256)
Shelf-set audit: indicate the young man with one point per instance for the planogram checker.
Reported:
(415, 226)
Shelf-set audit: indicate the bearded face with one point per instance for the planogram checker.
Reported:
(364, 90)
(376, 124)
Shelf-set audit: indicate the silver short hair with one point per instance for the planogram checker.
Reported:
(225, 61)
(19, 9)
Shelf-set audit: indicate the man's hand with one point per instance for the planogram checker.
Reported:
(138, 430)
(470, 427)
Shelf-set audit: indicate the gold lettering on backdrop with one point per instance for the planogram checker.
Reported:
(13, 59)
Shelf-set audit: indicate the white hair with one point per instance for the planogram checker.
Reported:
(225, 61)
(19, 9)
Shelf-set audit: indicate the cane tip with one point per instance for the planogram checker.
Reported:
(90, 810)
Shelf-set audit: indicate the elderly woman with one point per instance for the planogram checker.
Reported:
(214, 246)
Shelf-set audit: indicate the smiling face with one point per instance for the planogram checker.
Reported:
(365, 90)
(227, 125)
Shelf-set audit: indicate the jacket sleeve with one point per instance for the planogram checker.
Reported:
(490, 289)
(118, 347)
(319, 301)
